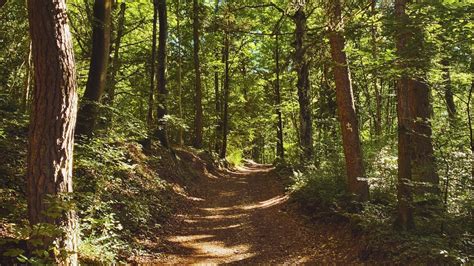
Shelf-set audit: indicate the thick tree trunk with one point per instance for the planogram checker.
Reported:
(302, 69)
(197, 143)
(416, 166)
(151, 92)
(53, 118)
(280, 149)
(89, 111)
(161, 132)
(225, 117)
(218, 130)
(346, 107)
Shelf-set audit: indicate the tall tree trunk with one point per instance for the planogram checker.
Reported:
(415, 150)
(116, 57)
(218, 131)
(225, 117)
(378, 95)
(346, 107)
(53, 118)
(448, 91)
(280, 149)
(89, 111)
(197, 86)
(161, 132)
(180, 62)
(302, 69)
(27, 83)
(151, 92)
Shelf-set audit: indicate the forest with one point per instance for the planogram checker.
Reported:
(236, 132)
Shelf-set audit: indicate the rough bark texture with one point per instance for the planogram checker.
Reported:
(280, 149)
(53, 118)
(302, 69)
(415, 149)
(88, 113)
(346, 107)
(161, 132)
(225, 116)
(197, 143)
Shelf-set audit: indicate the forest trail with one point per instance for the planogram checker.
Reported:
(242, 217)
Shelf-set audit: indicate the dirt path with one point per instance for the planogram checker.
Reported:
(243, 217)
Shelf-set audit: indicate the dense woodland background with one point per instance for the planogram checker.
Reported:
(367, 105)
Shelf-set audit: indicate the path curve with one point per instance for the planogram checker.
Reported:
(242, 217)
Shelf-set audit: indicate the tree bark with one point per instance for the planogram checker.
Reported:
(89, 111)
(151, 92)
(53, 118)
(378, 95)
(448, 91)
(302, 70)
(225, 117)
(198, 116)
(180, 63)
(280, 149)
(416, 166)
(161, 132)
(346, 107)
(116, 64)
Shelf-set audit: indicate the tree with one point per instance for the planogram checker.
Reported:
(346, 106)
(302, 70)
(280, 148)
(416, 166)
(151, 92)
(51, 138)
(115, 63)
(226, 92)
(89, 111)
(198, 116)
(161, 132)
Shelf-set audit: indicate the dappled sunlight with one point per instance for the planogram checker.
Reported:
(207, 250)
(267, 203)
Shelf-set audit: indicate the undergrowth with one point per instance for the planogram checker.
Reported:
(442, 237)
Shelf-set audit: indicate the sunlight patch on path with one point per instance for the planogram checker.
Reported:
(206, 252)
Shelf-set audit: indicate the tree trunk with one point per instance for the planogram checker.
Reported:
(151, 92)
(280, 149)
(225, 118)
(415, 150)
(27, 82)
(346, 107)
(197, 70)
(180, 62)
(116, 57)
(302, 69)
(378, 95)
(448, 91)
(218, 131)
(161, 132)
(53, 118)
(87, 116)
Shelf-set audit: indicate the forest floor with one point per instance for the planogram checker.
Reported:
(243, 216)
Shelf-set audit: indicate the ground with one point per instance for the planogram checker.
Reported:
(243, 217)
